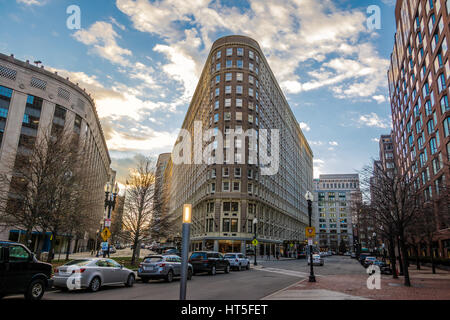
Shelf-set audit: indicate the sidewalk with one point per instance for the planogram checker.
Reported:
(425, 286)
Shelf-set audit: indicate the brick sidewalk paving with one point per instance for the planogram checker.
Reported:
(425, 286)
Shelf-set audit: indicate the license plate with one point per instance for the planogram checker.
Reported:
(148, 268)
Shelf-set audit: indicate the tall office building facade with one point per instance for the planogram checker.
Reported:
(334, 197)
(237, 91)
(418, 86)
(34, 101)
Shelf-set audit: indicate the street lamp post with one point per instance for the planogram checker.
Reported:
(255, 222)
(187, 219)
(110, 198)
(309, 197)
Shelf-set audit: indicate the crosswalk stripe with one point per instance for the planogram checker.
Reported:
(284, 272)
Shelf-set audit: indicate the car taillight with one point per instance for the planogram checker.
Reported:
(162, 264)
(56, 270)
(79, 270)
(205, 261)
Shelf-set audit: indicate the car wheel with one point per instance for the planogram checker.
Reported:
(144, 280)
(130, 281)
(213, 271)
(35, 290)
(227, 269)
(94, 286)
(189, 275)
(169, 277)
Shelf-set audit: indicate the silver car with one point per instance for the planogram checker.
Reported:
(92, 273)
(238, 261)
(162, 267)
(317, 260)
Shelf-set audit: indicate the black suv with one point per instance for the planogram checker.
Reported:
(209, 261)
(21, 272)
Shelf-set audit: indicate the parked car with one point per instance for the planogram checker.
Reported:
(368, 261)
(238, 261)
(92, 274)
(301, 255)
(317, 260)
(112, 249)
(209, 261)
(348, 253)
(162, 267)
(172, 252)
(353, 255)
(384, 267)
(21, 272)
(362, 257)
(323, 254)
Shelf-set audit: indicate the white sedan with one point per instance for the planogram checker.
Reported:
(238, 261)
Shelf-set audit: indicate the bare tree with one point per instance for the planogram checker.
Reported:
(394, 201)
(45, 186)
(162, 223)
(138, 206)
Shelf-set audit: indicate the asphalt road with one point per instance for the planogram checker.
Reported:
(256, 283)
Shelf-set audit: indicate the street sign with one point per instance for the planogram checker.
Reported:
(292, 245)
(106, 234)
(310, 242)
(310, 232)
(105, 246)
(255, 242)
(108, 223)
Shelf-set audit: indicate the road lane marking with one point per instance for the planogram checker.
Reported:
(284, 272)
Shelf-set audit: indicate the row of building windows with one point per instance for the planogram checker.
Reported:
(238, 51)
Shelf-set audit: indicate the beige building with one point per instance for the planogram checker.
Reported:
(33, 99)
(238, 91)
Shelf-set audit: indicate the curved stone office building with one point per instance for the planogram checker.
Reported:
(238, 91)
(33, 99)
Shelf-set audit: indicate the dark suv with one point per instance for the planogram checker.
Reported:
(21, 272)
(209, 261)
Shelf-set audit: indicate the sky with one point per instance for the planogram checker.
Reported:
(141, 60)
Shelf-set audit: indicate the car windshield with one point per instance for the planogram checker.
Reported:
(153, 259)
(198, 256)
(230, 256)
(81, 262)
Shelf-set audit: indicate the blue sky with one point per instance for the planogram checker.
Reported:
(141, 60)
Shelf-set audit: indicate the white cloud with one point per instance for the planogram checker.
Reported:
(376, 140)
(333, 143)
(304, 126)
(102, 37)
(32, 2)
(379, 98)
(318, 165)
(373, 120)
(305, 30)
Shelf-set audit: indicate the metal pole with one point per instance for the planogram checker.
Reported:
(184, 259)
(312, 278)
(256, 247)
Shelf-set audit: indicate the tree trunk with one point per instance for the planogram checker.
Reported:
(68, 248)
(135, 244)
(433, 266)
(400, 258)
(393, 258)
(417, 256)
(404, 253)
(40, 245)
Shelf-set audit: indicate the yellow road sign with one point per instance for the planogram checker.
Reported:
(106, 234)
(255, 242)
(310, 232)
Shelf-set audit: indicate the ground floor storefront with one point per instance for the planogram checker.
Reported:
(264, 248)
(42, 242)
